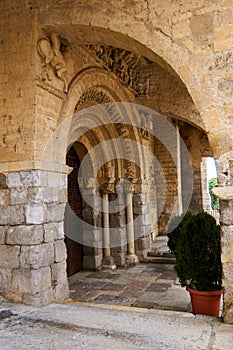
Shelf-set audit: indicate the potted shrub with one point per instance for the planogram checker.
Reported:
(174, 229)
(198, 263)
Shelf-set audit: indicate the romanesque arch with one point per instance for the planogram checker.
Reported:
(150, 54)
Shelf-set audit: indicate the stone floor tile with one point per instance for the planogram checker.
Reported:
(158, 287)
(113, 286)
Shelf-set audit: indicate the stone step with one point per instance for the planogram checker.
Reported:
(159, 254)
(160, 260)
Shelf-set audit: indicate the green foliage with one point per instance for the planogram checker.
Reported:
(174, 228)
(214, 200)
(198, 253)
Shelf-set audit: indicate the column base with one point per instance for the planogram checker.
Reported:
(109, 263)
(132, 259)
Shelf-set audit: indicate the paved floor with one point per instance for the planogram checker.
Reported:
(152, 286)
(146, 285)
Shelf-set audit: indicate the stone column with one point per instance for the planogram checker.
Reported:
(106, 230)
(225, 194)
(179, 169)
(142, 217)
(131, 257)
(32, 248)
(108, 260)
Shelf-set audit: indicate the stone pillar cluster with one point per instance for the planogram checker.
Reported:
(32, 248)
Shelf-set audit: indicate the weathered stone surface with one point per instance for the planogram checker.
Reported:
(27, 178)
(120, 258)
(59, 251)
(53, 231)
(55, 212)
(35, 214)
(31, 281)
(226, 216)
(4, 197)
(14, 179)
(33, 178)
(12, 215)
(59, 281)
(18, 195)
(90, 237)
(92, 262)
(12, 296)
(9, 256)
(224, 193)
(57, 180)
(5, 279)
(39, 299)
(43, 195)
(25, 235)
(37, 256)
(3, 230)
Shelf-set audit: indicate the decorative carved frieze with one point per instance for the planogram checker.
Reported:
(54, 63)
(124, 64)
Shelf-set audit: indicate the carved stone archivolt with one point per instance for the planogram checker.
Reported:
(54, 63)
(92, 95)
(124, 64)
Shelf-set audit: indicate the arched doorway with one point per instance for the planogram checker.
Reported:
(73, 229)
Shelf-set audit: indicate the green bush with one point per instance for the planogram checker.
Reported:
(198, 253)
(174, 228)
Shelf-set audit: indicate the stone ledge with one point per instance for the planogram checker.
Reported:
(223, 193)
(26, 165)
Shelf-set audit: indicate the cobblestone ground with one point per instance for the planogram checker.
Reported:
(146, 285)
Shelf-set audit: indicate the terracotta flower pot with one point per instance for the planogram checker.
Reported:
(205, 303)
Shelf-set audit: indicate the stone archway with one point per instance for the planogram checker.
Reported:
(169, 56)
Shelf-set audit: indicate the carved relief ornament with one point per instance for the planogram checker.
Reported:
(49, 50)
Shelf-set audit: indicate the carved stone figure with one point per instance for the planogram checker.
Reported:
(50, 51)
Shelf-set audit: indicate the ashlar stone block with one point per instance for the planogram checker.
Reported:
(14, 179)
(60, 251)
(34, 178)
(43, 195)
(55, 212)
(31, 281)
(37, 256)
(18, 195)
(59, 280)
(12, 215)
(35, 214)
(53, 231)
(38, 299)
(25, 235)
(9, 256)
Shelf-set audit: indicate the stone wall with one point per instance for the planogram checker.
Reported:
(32, 249)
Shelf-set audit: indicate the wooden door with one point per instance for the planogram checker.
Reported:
(73, 229)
